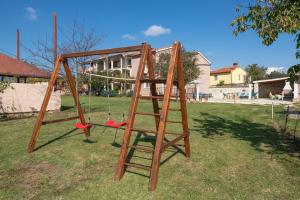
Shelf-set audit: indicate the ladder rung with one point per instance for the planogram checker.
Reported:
(143, 130)
(142, 148)
(180, 145)
(173, 121)
(151, 97)
(136, 165)
(152, 131)
(172, 109)
(172, 133)
(146, 113)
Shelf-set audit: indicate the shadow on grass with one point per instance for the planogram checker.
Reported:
(115, 144)
(64, 136)
(7, 119)
(143, 137)
(211, 126)
(67, 135)
(64, 108)
(89, 141)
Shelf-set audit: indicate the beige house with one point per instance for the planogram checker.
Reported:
(127, 64)
(228, 75)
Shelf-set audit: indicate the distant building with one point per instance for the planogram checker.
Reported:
(14, 70)
(228, 75)
(19, 97)
(127, 64)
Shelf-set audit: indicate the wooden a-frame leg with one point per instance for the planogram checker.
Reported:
(183, 106)
(133, 106)
(75, 96)
(162, 124)
(41, 115)
(153, 87)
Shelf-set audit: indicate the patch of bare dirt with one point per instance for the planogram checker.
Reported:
(32, 176)
(29, 176)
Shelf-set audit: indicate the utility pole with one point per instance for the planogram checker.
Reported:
(18, 50)
(18, 45)
(54, 38)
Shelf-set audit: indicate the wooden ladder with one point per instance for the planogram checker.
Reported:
(160, 114)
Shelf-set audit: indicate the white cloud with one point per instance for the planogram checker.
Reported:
(272, 69)
(156, 30)
(31, 13)
(128, 37)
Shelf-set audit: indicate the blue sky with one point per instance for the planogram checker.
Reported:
(200, 25)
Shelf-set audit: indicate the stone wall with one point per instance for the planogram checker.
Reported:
(217, 92)
(22, 98)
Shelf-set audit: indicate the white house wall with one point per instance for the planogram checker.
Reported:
(21, 97)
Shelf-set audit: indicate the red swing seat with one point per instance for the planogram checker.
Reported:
(79, 125)
(113, 124)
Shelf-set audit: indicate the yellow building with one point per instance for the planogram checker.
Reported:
(228, 75)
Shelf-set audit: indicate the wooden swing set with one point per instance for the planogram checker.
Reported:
(160, 114)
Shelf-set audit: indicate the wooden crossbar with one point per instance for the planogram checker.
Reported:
(102, 52)
(142, 148)
(136, 165)
(172, 142)
(59, 120)
(153, 131)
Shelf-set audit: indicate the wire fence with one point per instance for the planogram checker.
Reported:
(287, 121)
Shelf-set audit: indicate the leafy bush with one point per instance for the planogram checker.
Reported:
(3, 85)
(221, 83)
(109, 93)
(129, 93)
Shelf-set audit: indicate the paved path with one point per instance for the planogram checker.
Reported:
(253, 101)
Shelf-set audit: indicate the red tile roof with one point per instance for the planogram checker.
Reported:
(224, 70)
(12, 67)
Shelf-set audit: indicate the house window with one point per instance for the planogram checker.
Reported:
(216, 77)
(117, 64)
(128, 61)
(244, 77)
(146, 85)
(239, 77)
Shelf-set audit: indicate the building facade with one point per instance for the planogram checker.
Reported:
(127, 64)
(228, 75)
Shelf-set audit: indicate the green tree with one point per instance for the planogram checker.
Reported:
(255, 72)
(276, 74)
(97, 83)
(190, 68)
(293, 72)
(269, 18)
(221, 83)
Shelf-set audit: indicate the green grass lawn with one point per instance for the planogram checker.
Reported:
(236, 153)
